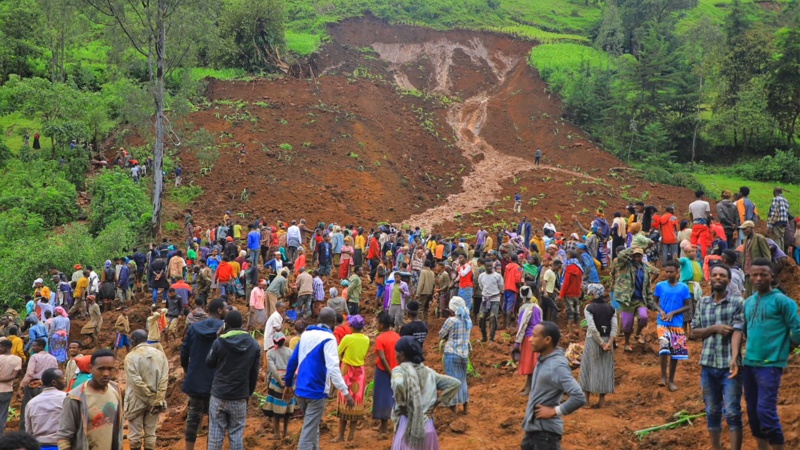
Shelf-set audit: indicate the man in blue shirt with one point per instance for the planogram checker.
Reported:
(253, 243)
(673, 299)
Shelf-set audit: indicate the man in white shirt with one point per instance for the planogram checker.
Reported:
(274, 325)
(44, 410)
(293, 240)
(491, 284)
(701, 217)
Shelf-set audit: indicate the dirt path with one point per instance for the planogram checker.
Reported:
(491, 167)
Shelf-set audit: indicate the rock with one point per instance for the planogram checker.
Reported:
(510, 422)
(459, 426)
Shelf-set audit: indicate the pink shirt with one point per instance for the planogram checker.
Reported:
(257, 298)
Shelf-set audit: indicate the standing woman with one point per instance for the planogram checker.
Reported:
(415, 388)
(352, 351)
(597, 364)
(346, 258)
(337, 242)
(59, 335)
(275, 407)
(382, 398)
(108, 287)
(456, 330)
(530, 314)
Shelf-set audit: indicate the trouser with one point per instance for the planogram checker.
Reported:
(397, 314)
(761, 386)
(373, 268)
(79, 308)
(731, 241)
(264, 253)
(304, 301)
(541, 440)
(155, 295)
(313, 410)
(5, 402)
(669, 252)
(627, 319)
(444, 300)
(778, 234)
(198, 407)
(549, 308)
(517, 207)
(701, 238)
(177, 181)
(722, 394)
(424, 302)
(537, 160)
(477, 299)
(253, 257)
(27, 394)
(142, 429)
(466, 294)
(489, 309)
(227, 415)
(352, 308)
(292, 253)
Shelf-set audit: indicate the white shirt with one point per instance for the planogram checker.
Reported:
(293, 232)
(700, 209)
(94, 282)
(274, 325)
(549, 226)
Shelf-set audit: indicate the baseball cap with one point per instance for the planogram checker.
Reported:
(638, 251)
(747, 224)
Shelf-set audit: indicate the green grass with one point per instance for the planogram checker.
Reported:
(536, 34)
(302, 43)
(199, 73)
(11, 124)
(717, 10)
(563, 16)
(558, 62)
(760, 192)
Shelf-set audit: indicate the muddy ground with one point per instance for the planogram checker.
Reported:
(437, 129)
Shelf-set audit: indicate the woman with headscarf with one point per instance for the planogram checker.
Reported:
(619, 233)
(456, 330)
(597, 363)
(530, 314)
(416, 388)
(108, 288)
(346, 258)
(37, 330)
(352, 351)
(274, 405)
(337, 302)
(59, 335)
(337, 242)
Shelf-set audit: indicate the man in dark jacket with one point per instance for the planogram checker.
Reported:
(231, 250)
(728, 215)
(234, 354)
(197, 344)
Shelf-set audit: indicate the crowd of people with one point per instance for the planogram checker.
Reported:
(315, 348)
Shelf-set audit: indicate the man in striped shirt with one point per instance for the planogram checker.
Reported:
(778, 218)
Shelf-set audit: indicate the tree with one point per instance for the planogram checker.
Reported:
(253, 34)
(148, 24)
(784, 83)
(611, 35)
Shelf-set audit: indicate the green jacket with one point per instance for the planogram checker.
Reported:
(755, 247)
(770, 323)
(624, 273)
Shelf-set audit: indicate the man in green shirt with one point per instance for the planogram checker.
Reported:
(354, 290)
(771, 326)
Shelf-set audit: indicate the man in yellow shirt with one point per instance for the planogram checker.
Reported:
(82, 286)
(17, 346)
(237, 231)
(40, 290)
(538, 239)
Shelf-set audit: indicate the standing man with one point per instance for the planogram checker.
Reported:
(237, 358)
(719, 322)
(253, 243)
(424, 292)
(480, 240)
(538, 156)
(44, 411)
(552, 378)
(524, 230)
(513, 280)
(441, 292)
(672, 300)
(668, 227)
(491, 285)
(293, 240)
(197, 343)
(771, 327)
(354, 291)
(755, 247)
(10, 366)
(465, 284)
(92, 418)
(633, 291)
(71, 369)
(315, 360)
(147, 375)
(258, 315)
(571, 290)
(778, 218)
(31, 384)
(701, 215)
(305, 292)
(178, 175)
(728, 216)
(747, 209)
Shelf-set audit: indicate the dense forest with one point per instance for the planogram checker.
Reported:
(666, 84)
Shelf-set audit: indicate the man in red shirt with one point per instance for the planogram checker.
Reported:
(224, 276)
(512, 276)
(571, 291)
(465, 281)
(374, 256)
(667, 225)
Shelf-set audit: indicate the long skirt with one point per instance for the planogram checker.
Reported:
(527, 357)
(344, 269)
(58, 346)
(431, 441)
(456, 367)
(258, 318)
(597, 369)
(382, 395)
(355, 378)
(275, 406)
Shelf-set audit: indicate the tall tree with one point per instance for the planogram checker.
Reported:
(784, 83)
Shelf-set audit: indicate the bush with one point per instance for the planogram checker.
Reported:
(186, 194)
(38, 187)
(116, 197)
(658, 174)
(784, 167)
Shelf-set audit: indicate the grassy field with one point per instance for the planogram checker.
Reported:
(760, 192)
(12, 125)
(302, 43)
(557, 62)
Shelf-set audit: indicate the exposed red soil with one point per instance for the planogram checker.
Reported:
(501, 113)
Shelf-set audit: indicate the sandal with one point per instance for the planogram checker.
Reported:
(628, 349)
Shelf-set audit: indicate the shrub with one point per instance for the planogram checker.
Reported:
(784, 167)
(38, 187)
(116, 197)
(186, 194)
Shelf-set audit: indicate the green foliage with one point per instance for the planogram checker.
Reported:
(760, 191)
(207, 152)
(302, 43)
(38, 187)
(784, 167)
(115, 197)
(252, 33)
(185, 194)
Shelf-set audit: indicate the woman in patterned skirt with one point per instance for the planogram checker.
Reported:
(274, 406)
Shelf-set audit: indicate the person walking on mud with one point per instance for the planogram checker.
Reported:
(538, 159)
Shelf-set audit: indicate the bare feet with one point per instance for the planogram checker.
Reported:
(640, 339)
(336, 439)
(673, 387)
(663, 382)
(629, 349)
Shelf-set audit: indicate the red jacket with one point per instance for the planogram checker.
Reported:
(374, 251)
(512, 275)
(668, 227)
(573, 282)
(224, 272)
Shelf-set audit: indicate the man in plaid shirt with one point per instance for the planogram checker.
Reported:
(778, 218)
(719, 321)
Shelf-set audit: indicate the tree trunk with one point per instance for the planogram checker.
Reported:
(158, 152)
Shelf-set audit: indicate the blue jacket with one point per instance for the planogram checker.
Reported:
(198, 341)
(124, 276)
(315, 360)
(589, 268)
(254, 240)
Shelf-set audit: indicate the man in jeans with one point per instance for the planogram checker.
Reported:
(552, 378)
(10, 366)
(771, 325)
(237, 357)
(315, 360)
(197, 343)
(719, 322)
(778, 218)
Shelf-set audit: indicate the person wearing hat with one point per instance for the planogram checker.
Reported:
(597, 363)
(77, 274)
(258, 315)
(456, 331)
(755, 246)
(633, 291)
(530, 315)
(40, 290)
(352, 351)
(275, 407)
